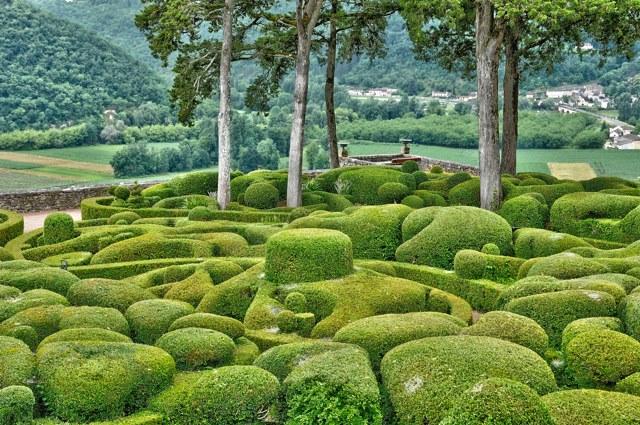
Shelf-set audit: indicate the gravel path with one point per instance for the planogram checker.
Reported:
(33, 221)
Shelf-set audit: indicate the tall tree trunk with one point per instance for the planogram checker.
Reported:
(307, 14)
(224, 116)
(488, 42)
(329, 89)
(511, 87)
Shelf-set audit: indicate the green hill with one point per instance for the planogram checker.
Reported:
(54, 72)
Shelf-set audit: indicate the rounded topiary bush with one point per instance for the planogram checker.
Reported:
(593, 407)
(29, 299)
(408, 180)
(307, 255)
(150, 319)
(469, 264)
(432, 236)
(80, 258)
(85, 334)
(227, 325)
(555, 310)
(491, 249)
(16, 362)
(567, 266)
(589, 324)
(629, 385)
(525, 211)
(431, 199)
(198, 183)
(225, 396)
(602, 357)
(128, 216)
(497, 401)
(436, 169)
(413, 201)
(379, 334)
(336, 384)
(194, 348)
(466, 193)
(39, 277)
(392, 192)
(58, 227)
(410, 166)
(511, 327)
(296, 302)
(93, 317)
(201, 214)
(107, 293)
(458, 362)
(87, 381)
(261, 195)
(531, 243)
(16, 405)
(121, 192)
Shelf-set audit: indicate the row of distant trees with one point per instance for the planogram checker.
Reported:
(474, 36)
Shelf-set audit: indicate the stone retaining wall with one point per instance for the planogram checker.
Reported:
(425, 163)
(53, 199)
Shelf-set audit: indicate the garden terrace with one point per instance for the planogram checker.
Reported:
(389, 297)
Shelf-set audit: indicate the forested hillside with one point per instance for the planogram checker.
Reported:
(53, 72)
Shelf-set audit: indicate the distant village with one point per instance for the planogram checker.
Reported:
(589, 98)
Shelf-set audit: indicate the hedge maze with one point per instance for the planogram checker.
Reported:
(388, 298)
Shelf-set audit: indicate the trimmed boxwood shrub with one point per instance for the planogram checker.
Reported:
(87, 381)
(363, 183)
(551, 192)
(263, 196)
(58, 227)
(511, 327)
(630, 314)
(307, 255)
(410, 167)
(16, 362)
(458, 362)
(602, 357)
(593, 407)
(85, 334)
(567, 266)
(51, 279)
(93, 317)
(588, 324)
(333, 387)
(555, 310)
(379, 334)
(71, 259)
(392, 192)
(227, 325)
(434, 235)
(194, 348)
(413, 201)
(107, 293)
(409, 181)
(11, 226)
(470, 264)
(229, 395)
(121, 192)
(374, 231)
(16, 405)
(200, 183)
(201, 213)
(431, 199)
(466, 193)
(150, 319)
(29, 299)
(525, 211)
(629, 385)
(531, 243)
(128, 216)
(501, 402)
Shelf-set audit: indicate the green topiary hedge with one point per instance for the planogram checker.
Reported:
(58, 227)
(307, 255)
(593, 407)
(363, 183)
(150, 319)
(432, 236)
(195, 348)
(601, 358)
(531, 243)
(566, 266)
(227, 325)
(85, 334)
(466, 193)
(525, 211)
(11, 226)
(333, 387)
(392, 192)
(458, 362)
(511, 327)
(501, 402)
(379, 334)
(34, 298)
(262, 196)
(107, 293)
(16, 362)
(555, 310)
(588, 324)
(225, 396)
(89, 381)
(200, 183)
(470, 264)
(16, 405)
